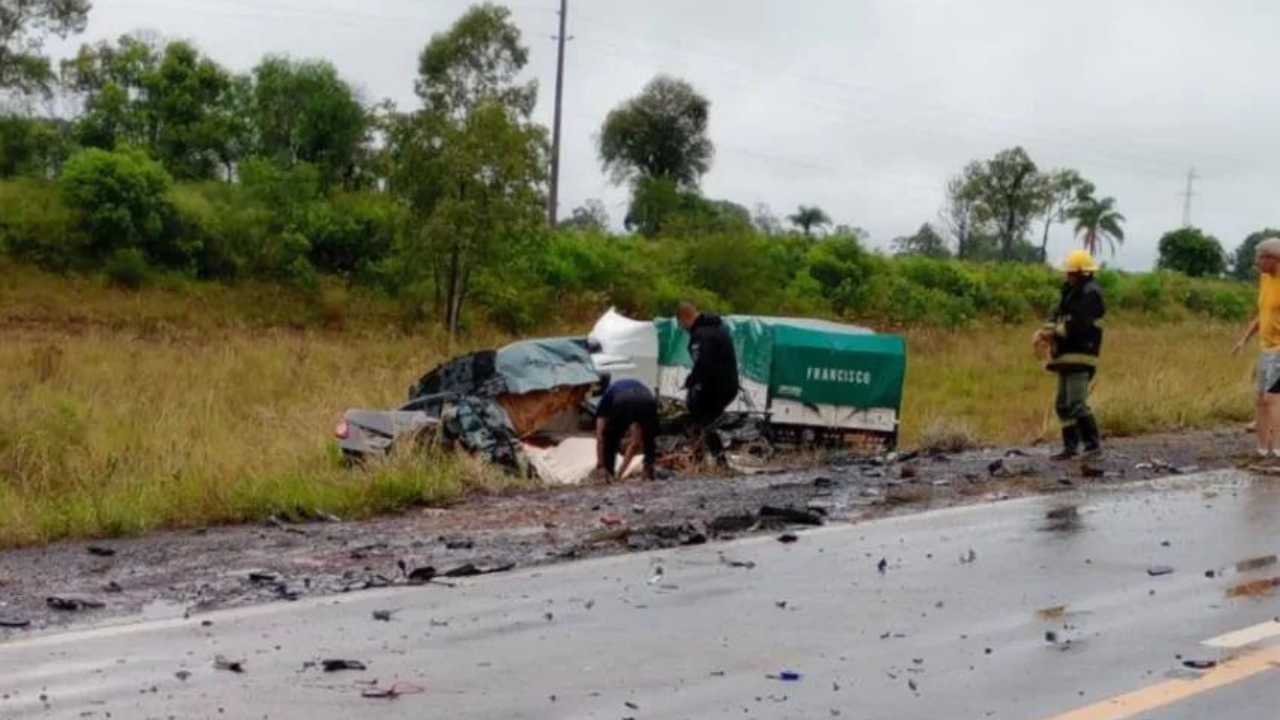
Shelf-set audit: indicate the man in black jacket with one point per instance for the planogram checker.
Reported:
(712, 384)
(1075, 337)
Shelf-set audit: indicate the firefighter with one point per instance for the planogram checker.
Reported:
(1074, 337)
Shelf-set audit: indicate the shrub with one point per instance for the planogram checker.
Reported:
(36, 226)
(122, 199)
(127, 268)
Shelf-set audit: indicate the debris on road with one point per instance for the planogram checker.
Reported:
(1257, 563)
(100, 551)
(787, 538)
(470, 570)
(747, 564)
(1200, 664)
(392, 692)
(222, 663)
(1051, 613)
(338, 665)
(791, 516)
(384, 615)
(785, 676)
(883, 565)
(14, 623)
(72, 604)
(969, 557)
(1159, 570)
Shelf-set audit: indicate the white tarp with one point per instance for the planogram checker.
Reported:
(629, 348)
(571, 461)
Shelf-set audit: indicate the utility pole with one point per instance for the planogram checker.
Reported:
(554, 202)
(1186, 197)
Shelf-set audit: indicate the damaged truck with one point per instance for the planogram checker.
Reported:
(529, 406)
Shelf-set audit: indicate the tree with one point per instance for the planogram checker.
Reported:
(30, 146)
(470, 163)
(1097, 220)
(1191, 252)
(492, 170)
(765, 222)
(659, 134)
(591, 216)
(925, 243)
(960, 215)
(479, 59)
(305, 112)
(1009, 192)
(807, 218)
(178, 105)
(1062, 188)
(24, 25)
(1242, 267)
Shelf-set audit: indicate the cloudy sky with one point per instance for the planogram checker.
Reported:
(863, 107)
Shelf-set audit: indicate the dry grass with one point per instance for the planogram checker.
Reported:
(124, 412)
(987, 384)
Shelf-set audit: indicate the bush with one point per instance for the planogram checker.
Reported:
(127, 268)
(36, 226)
(122, 200)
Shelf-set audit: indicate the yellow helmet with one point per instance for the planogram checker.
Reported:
(1080, 261)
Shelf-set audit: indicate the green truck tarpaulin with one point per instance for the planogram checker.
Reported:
(813, 362)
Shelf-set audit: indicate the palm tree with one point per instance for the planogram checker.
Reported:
(1098, 220)
(808, 218)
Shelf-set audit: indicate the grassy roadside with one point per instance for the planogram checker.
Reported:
(126, 412)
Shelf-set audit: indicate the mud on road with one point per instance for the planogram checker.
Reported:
(187, 572)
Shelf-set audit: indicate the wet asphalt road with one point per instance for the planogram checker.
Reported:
(988, 611)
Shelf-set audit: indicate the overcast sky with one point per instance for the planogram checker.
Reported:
(863, 107)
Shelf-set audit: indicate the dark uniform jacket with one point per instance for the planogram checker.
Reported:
(1077, 327)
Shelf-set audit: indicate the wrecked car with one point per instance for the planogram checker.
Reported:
(530, 405)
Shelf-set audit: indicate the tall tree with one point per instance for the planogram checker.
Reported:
(479, 59)
(1191, 252)
(1062, 188)
(470, 163)
(24, 25)
(1010, 192)
(305, 112)
(1097, 220)
(1242, 262)
(809, 217)
(925, 243)
(960, 214)
(659, 134)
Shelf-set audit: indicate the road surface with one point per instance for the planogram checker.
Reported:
(991, 611)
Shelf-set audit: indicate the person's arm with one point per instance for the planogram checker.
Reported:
(1248, 335)
(698, 353)
(630, 454)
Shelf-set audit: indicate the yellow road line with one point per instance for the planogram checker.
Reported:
(1172, 691)
(1247, 636)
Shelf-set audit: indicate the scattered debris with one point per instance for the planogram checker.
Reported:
(725, 524)
(14, 623)
(393, 692)
(112, 587)
(1009, 467)
(1051, 613)
(71, 604)
(882, 566)
(1255, 588)
(1051, 637)
(470, 570)
(1210, 574)
(788, 538)
(1257, 563)
(384, 615)
(1200, 664)
(1159, 570)
(911, 683)
(612, 520)
(338, 665)
(747, 564)
(458, 543)
(792, 516)
(263, 577)
(418, 575)
(785, 676)
(100, 551)
(631, 706)
(968, 557)
(183, 675)
(222, 663)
